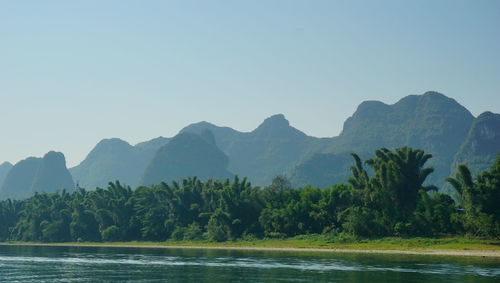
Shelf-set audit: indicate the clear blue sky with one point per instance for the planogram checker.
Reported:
(74, 72)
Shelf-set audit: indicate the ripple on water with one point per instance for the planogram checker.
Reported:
(83, 267)
(320, 265)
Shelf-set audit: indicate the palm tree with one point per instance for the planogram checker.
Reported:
(402, 174)
(463, 184)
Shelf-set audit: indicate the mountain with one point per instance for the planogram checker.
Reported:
(482, 145)
(52, 174)
(18, 182)
(186, 155)
(322, 170)
(115, 159)
(4, 170)
(224, 136)
(47, 174)
(272, 148)
(432, 122)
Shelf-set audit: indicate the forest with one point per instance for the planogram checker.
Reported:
(386, 195)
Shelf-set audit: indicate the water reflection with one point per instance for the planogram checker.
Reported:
(86, 264)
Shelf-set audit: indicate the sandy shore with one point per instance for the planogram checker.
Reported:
(475, 253)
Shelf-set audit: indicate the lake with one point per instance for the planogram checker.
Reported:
(90, 264)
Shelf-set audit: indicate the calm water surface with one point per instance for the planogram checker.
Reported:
(86, 264)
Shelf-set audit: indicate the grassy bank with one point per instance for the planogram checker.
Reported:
(325, 242)
(319, 242)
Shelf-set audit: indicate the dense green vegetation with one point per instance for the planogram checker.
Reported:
(387, 198)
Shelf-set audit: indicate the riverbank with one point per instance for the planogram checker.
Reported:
(413, 246)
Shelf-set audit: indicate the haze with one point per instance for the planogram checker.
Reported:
(72, 73)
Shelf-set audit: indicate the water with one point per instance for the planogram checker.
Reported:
(86, 264)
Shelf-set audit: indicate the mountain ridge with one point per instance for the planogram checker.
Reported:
(431, 121)
(276, 147)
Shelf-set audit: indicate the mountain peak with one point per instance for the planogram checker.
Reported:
(277, 126)
(198, 127)
(277, 121)
(52, 174)
(431, 100)
(434, 94)
(370, 106)
(486, 114)
(112, 141)
(187, 154)
(6, 164)
(47, 174)
(113, 144)
(54, 156)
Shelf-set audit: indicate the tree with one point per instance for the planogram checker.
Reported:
(389, 198)
(479, 198)
(402, 172)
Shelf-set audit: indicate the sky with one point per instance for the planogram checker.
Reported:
(75, 72)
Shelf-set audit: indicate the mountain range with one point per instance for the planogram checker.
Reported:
(432, 122)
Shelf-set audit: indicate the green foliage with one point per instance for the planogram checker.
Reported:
(218, 229)
(479, 198)
(387, 201)
(436, 215)
(111, 233)
(193, 232)
(9, 216)
(389, 198)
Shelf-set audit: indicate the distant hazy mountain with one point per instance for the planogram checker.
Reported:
(115, 159)
(4, 170)
(186, 155)
(52, 174)
(482, 144)
(18, 182)
(432, 122)
(47, 174)
(322, 170)
(272, 148)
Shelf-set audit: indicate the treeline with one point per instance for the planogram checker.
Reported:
(385, 196)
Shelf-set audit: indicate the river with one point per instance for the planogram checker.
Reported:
(91, 264)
